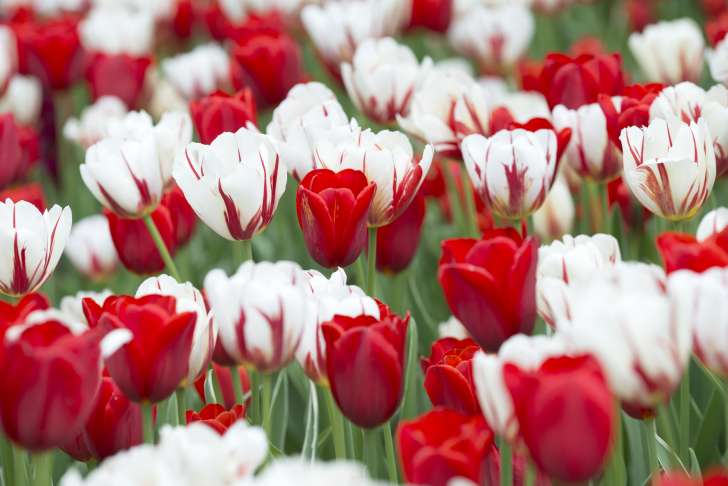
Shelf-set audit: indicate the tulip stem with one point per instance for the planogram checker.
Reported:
(453, 195)
(147, 423)
(20, 470)
(161, 247)
(389, 448)
(181, 406)
(265, 412)
(685, 416)
(506, 463)
(370, 450)
(530, 476)
(6, 456)
(337, 426)
(246, 251)
(372, 259)
(471, 215)
(42, 468)
(650, 441)
(237, 385)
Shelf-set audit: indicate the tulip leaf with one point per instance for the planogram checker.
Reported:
(667, 457)
(310, 440)
(279, 410)
(694, 464)
(709, 434)
(210, 396)
(408, 408)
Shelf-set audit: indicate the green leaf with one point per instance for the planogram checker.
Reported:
(408, 407)
(280, 410)
(310, 439)
(709, 434)
(667, 457)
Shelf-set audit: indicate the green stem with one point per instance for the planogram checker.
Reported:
(265, 401)
(6, 456)
(606, 216)
(247, 250)
(372, 265)
(350, 443)
(685, 416)
(361, 273)
(616, 472)
(389, 448)
(506, 463)
(161, 247)
(237, 385)
(337, 426)
(471, 215)
(650, 443)
(530, 476)
(42, 464)
(219, 398)
(453, 196)
(181, 406)
(370, 450)
(20, 468)
(666, 428)
(147, 423)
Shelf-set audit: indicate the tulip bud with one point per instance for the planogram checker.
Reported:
(472, 275)
(442, 445)
(234, 184)
(93, 124)
(718, 61)
(91, 249)
(669, 166)
(449, 375)
(555, 217)
(397, 242)
(73, 305)
(680, 251)
(199, 72)
(433, 15)
(220, 112)
(712, 223)
(382, 77)
(216, 416)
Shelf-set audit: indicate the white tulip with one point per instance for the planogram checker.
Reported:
(23, 98)
(712, 223)
(72, 305)
(93, 124)
(115, 30)
(198, 72)
(556, 217)
(91, 249)
(718, 61)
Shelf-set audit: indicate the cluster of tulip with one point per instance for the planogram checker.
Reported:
(600, 358)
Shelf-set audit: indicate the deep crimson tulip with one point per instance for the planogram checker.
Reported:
(449, 375)
(717, 28)
(184, 18)
(634, 109)
(49, 378)
(221, 112)
(115, 424)
(434, 15)
(223, 375)
(19, 149)
(332, 209)
(151, 366)
(365, 363)
(397, 241)
(183, 217)
(222, 28)
(678, 478)
(217, 417)
(587, 45)
(441, 445)
(682, 251)
(577, 81)
(490, 284)
(117, 75)
(32, 192)
(566, 415)
(640, 13)
(269, 62)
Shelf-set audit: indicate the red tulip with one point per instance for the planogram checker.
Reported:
(151, 366)
(184, 18)
(117, 75)
(397, 241)
(441, 445)
(577, 81)
(490, 284)
(11, 315)
(32, 192)
(364, 364)
(216, 416)
(434, 15)
(681, 251)
(563, 136)
(717, 28)
(221, 112)
(640, 13)
(332, 210)
(634, 109)
(449, 375)
(223, 375)
(19, 149)
(566, 415)
(269, 62)
(49, 378)
(184, 219)
(633, 213)
(115, 424)
(679, 478)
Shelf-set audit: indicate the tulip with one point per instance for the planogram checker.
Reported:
(669, 166)
(441, 445)
(199, 72)
(11, 315)
(8, 56)
(718, 62)
(632, 108)
(91, 249)
(18, 149)
(224, 378)
(115, 424)
(449, 375)
(669, 51)
(580, 80)
(260, 311)
(490, 284)
(313, 473)
(220, 112)
(118, 75)
(452, 328)
(555, 217)
(434, 15)
(50, 372)
(332, 211)
(712, 223)
(397, 242)
(681, 251)
(217, 417)
(717, 477)
(31, 192)
(153, 364)
(513, 170)
(114, 30)
(93, 124)
(23, 98)
(382, 77)
(566, 415)
(496, 37)
(525, 109)
(308, 107)
(184, 219)
(633, 214)
(34, 243)
(269, 62)
(72, 306)
(234, 184)
(366, 355)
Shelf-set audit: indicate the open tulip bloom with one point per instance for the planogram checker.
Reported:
(437, 244)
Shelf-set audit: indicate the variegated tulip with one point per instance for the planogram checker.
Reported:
(712, 223)
(556, 217)
(199, 72)
(234, 184)
(91, 249)
(718, 61)
(669, 166)
(23, 98)
(93, 123)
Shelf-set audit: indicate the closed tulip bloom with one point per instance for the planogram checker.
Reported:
(512, 170)
(33, 242)
(199, 72)
(234, 184)
(221, 112)
(216, 416)
(117, 75)
(442, 445)
(398, 241)
(260, 311)
(18, 149)
(365, 354)
(115, 424)
(8, 56)
(555, 217)
(712, 223)
(434, 15)
(449, 375)
(669, 166)
(91, 249)
(188, 299)
(681, 251)
(73, 305)
(332, 211)
(490, 284)
(23, 98)
(566, 415)
(718, 62)
(308, 107)
(382, 78)
(669, 51)
(93, 123)
(495, 36)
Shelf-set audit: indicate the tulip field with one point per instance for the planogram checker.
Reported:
(363, 242)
